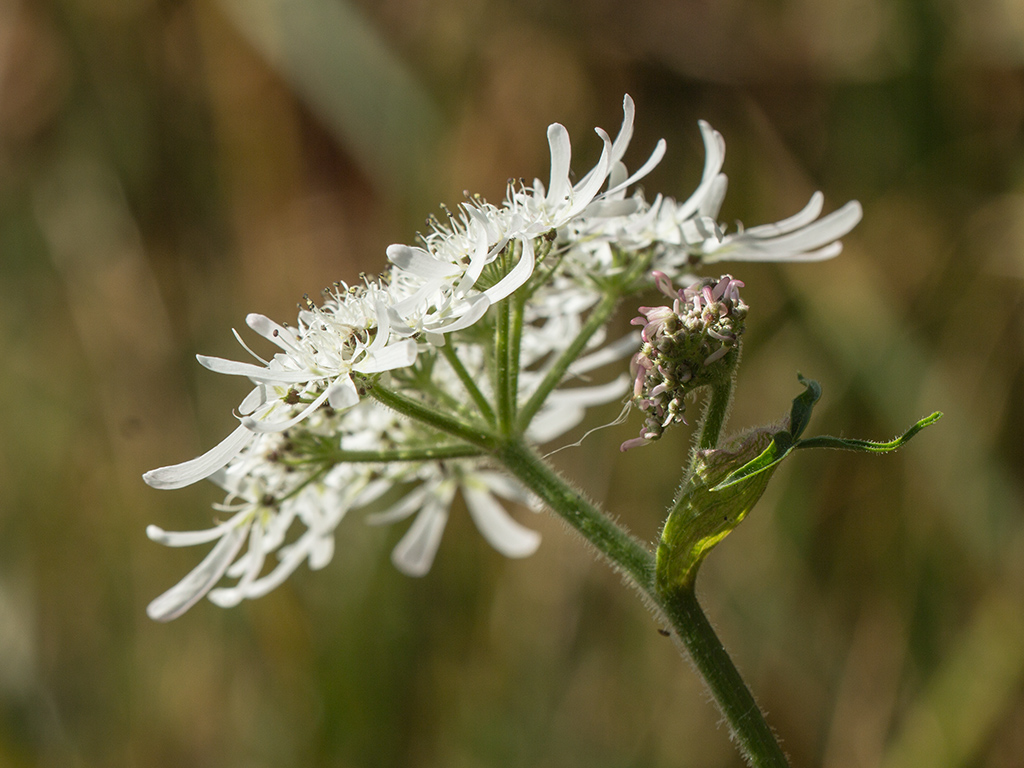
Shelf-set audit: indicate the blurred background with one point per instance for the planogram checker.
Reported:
(167, 166)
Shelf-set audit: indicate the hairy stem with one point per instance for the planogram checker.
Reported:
(756, 741)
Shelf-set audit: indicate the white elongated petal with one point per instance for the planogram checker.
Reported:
(187, 592)
(188, 472)
(608, 208)
(410, 503)
(290, 560)
(274, 333)
(810, 212)
(410, 304)
(189, 538)
(321, 552)
(506, 487)
(415, 553)
(342, 394)
(264, 426)
(496, 525)
(419, 262)
(646, 168)
(584, 192)
(401, 354)
(561, 156)
(253, 400)
(518, 275)
(383, 327)
(587, 396)
(711, 204)
(477, 306)
(818, 233)
(481, 256)
(609, 353)
(254, 372)
(754, 253)
(551, 422)
(246, 347)
(714, 147)
(625, 134)
(565, 408)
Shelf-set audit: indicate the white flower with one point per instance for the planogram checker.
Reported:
(431, 500)
(563, 201)
(351, 333)
(434, 285)
(264, 502)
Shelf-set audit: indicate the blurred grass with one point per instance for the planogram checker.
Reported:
(168, 165)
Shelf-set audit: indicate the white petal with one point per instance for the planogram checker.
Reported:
(410, 503)
(187, 592)
(264, 426)
(587, 189)
(419, 262)
(518, 275)
(646, 168)
(383, 326)
(587, 396)
(271, 331)
(475, 308)
(551, 422)
(814, 235)
(810, 212)
(561, 156)
(415, 302)
(506, 487)
(415, 553)
(764, 255)
(321, 552)
(496, 525)
(625, 131)
(253, 400)
(609, 353)
(342, 393)
(401, 354)
(714, 147)
(188, 472)
(254, 372)
(289, 562)
(191, 538)
(711, 204)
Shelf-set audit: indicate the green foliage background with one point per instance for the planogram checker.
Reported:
(167, 166)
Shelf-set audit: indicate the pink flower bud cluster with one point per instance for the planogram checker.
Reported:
(691, 344)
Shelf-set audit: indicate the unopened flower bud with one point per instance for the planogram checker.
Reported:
(691, 344)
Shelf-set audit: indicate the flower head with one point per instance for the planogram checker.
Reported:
(691, 344)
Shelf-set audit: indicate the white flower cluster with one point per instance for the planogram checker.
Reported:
(311, 446)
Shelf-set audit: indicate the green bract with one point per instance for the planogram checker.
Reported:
(724, 484)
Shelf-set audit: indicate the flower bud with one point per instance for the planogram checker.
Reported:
(691, 344)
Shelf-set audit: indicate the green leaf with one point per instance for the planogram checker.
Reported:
(800, 414)
(781, 446)
(868, 446)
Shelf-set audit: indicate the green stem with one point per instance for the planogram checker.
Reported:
(746, 721)
(678, 606)
(595, 320)
(514, 349)
(715, 411)
(431, 453)
(467, 381)
(502, 373)
(625, 553)
(427, 415)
